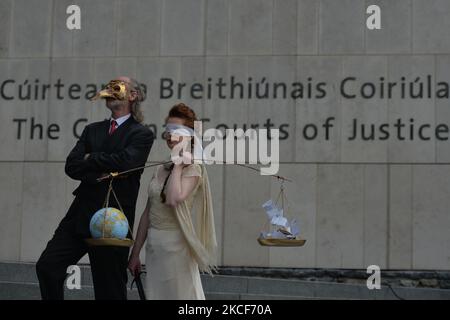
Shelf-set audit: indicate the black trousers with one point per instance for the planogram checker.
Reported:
(108, 264)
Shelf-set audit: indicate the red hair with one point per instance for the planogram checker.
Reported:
(184, 112)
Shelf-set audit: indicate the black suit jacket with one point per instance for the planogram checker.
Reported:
(127, 148)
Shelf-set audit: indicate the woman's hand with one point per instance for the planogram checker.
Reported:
(186, 159)
(177, 153)
(134, 265)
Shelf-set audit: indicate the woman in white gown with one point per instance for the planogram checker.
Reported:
(176, 251)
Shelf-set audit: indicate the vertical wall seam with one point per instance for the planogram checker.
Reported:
(271, 23)
(296, 29)
(204, 57)
(411, 27)
(230, 4)
(436, 143)
(412, 217)
(158, 53)
(318, 17)
(161, 31)
(388, 188)
(11, 30)
(388, 215)
(364, 167)
(365, 27)
(116, 15)
(224, 185)
(316, 216)
(296, 73)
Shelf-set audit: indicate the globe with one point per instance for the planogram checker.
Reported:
(109, 223)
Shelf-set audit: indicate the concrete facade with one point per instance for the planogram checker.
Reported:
(382, 202)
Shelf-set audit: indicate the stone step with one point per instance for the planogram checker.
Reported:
(232, 287)
(30, 291)
(315, 289)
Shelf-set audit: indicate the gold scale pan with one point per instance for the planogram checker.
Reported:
(109, 242)
(274, 242)
(280, 242)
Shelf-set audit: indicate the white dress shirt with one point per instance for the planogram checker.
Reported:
(121, 119)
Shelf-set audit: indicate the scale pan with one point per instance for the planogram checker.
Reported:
(112, 242)
(274, 242)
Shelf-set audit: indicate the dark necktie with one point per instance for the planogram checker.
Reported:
(113, 127)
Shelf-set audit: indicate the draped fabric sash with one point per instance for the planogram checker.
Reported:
(201, 239)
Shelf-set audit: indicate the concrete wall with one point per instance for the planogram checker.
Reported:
(381, 202)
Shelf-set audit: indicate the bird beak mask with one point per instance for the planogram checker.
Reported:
(115, 89)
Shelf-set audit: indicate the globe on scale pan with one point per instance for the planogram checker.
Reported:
(109, 223)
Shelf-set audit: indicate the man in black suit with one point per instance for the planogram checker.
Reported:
(117, 144)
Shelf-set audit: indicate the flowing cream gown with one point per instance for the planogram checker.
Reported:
(172, 272)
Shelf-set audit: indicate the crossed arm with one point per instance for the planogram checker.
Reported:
(81, 164)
